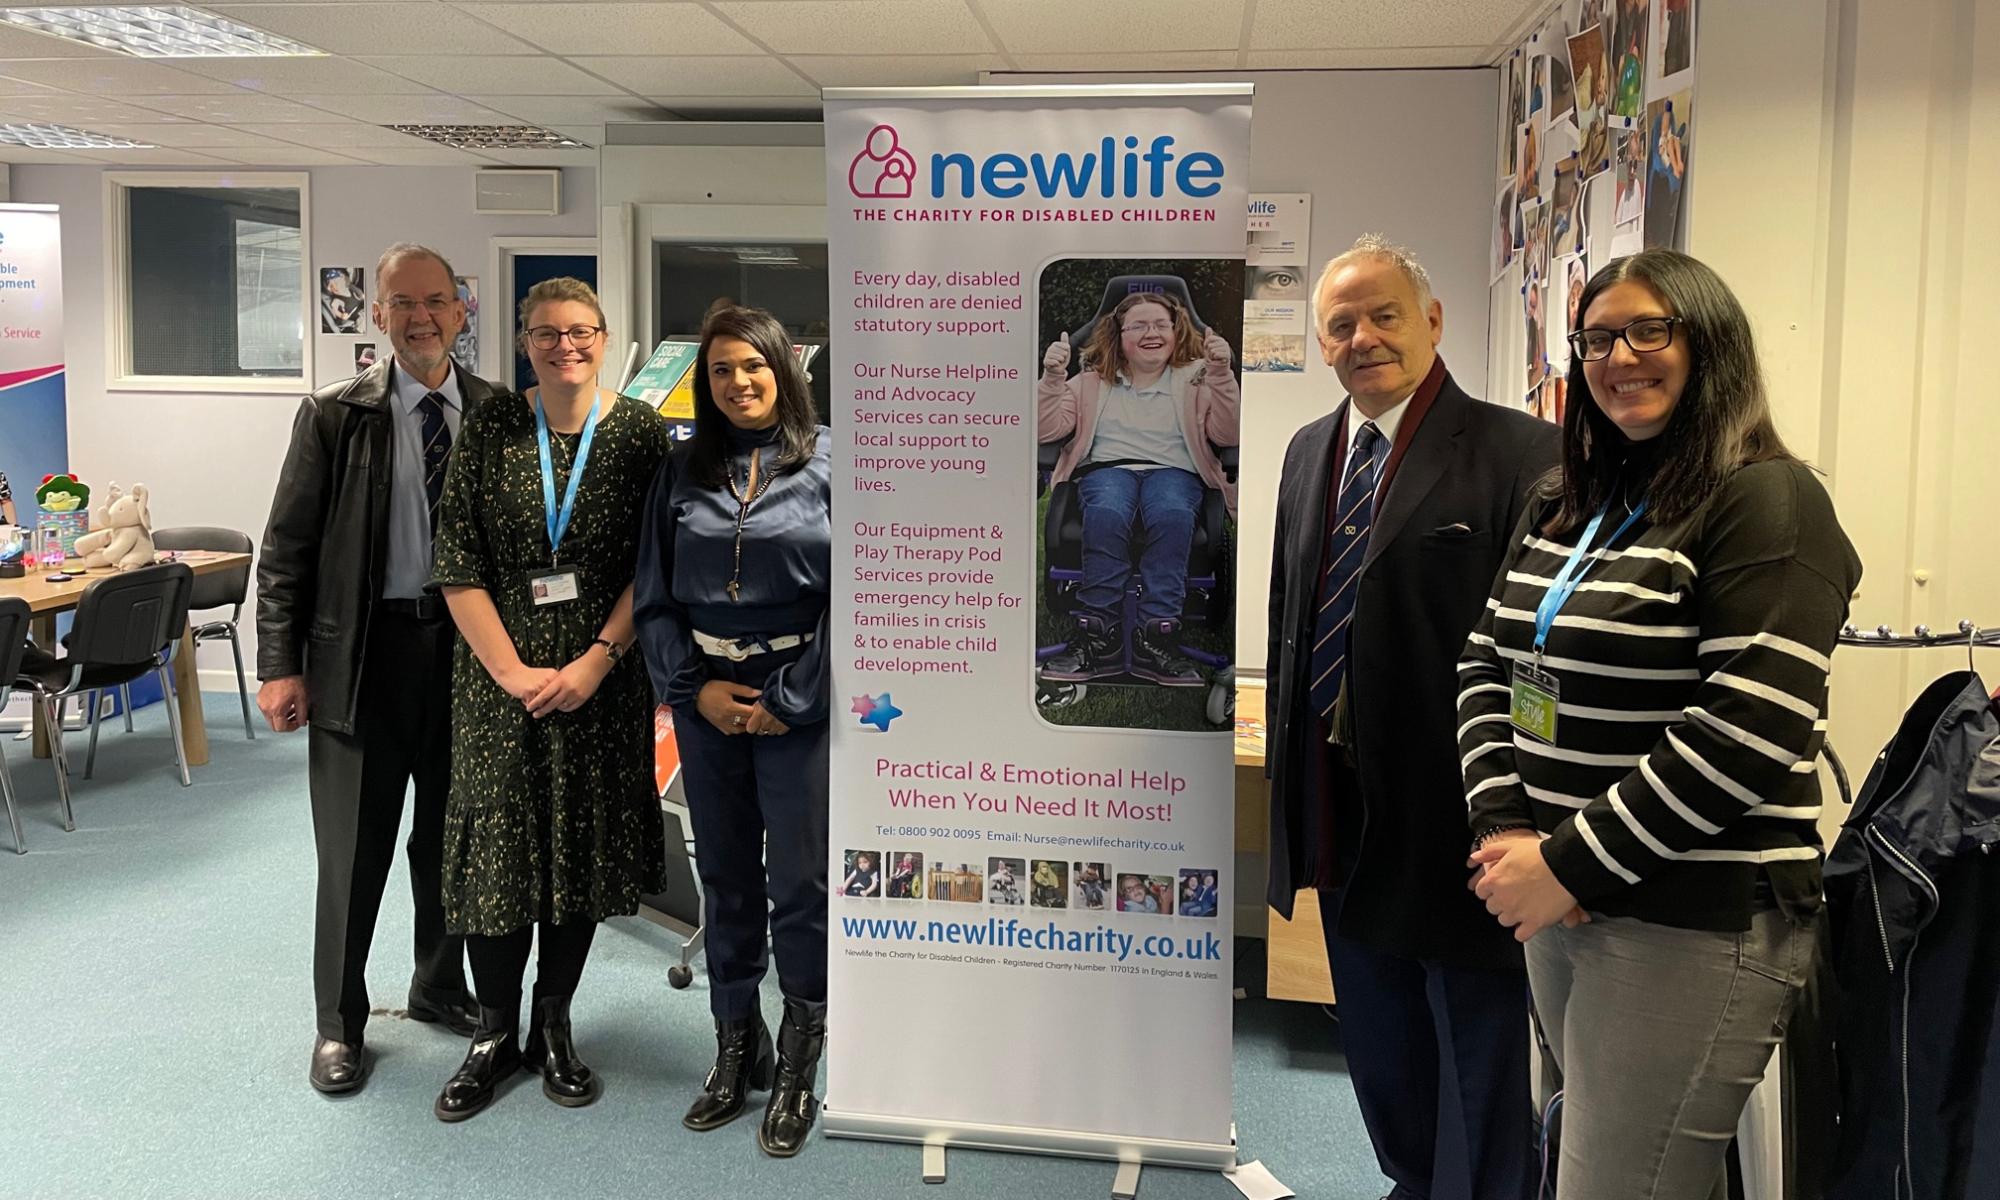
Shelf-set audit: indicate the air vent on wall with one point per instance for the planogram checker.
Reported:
(519, 192)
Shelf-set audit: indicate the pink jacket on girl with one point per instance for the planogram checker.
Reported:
(1209, 403)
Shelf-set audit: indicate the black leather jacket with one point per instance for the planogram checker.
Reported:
(325, 550)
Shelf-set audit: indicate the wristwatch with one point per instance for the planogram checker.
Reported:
(610, 647)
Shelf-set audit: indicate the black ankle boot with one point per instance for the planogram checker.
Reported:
(1094, 652)
(494, 1055)
(743, 1062)
(788, 1117)
(1156, 655)
(565, 1078)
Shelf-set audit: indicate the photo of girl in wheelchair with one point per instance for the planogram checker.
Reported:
(1144, 418)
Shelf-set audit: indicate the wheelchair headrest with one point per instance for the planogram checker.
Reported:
(1122, 286)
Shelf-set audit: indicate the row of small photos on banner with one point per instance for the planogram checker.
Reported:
(1036, 883)
(1597, 121)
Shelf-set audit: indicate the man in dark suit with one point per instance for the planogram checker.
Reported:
(1394, 513)
(353, 641)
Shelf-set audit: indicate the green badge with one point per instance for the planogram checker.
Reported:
(1534, 707)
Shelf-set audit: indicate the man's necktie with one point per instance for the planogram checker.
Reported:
(437, 447)
(1346, 544)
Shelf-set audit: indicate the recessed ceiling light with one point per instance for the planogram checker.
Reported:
(62, 137)
(492, 137)
(148, 31)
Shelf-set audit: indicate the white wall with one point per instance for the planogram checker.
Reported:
(213, 459)
(1407, 154)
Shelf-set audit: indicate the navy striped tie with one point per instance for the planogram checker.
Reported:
(1346, 544)
(437, 448)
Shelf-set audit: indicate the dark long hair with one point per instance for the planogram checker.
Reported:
(798, 423)
(1723, 418)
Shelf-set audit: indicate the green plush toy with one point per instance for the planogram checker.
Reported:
(62, 493)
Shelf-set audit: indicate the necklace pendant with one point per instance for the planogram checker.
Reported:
(733, 588)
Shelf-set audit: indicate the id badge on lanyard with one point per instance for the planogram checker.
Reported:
(557, 584)
(1536, 694)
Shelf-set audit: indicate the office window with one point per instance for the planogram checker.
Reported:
(212, 283)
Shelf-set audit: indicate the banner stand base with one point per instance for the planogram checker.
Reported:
(1125, 1184)
(934, 1136)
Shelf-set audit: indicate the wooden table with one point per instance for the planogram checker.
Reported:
(46, 600)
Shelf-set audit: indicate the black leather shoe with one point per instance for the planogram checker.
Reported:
(788, 1117)
(743, 1063)
(1093, 653)
(461, 1016)
(1156, 655)
(565, 1078)
(493, 1057)
(337, 1067)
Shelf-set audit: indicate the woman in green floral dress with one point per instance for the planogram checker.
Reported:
(553, 819)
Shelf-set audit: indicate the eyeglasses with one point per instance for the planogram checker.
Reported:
(1645, 335)
(1150, 327)
(546, 337)
(403, 306)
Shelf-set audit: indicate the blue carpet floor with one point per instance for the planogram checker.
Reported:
(156, 1018)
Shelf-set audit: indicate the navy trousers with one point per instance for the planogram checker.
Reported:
(1438, 1056)
(758, 805)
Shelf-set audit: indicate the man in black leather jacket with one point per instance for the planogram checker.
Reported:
(353, 641)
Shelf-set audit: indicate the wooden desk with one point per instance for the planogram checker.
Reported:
(46, 600)
(1295, 950)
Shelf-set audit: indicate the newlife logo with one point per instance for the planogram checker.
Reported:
(1117, 167)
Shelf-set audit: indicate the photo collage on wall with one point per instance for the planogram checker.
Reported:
(1595, 141)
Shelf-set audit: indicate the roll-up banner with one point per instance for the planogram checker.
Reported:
(1038, 294)
(34, 424)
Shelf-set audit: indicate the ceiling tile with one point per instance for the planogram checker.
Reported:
(235, 109)
(424, 156)
(543, 158)
(288, 156)
(730, 108)
(1065, 26)
(407, 27)
(861, 26)
(337, 137)
(619, 28)
(885, 70)
(191, 135)
(1157, 60)
(158, 157)
(35, 156)
(1362, 24)
(17, 43)
(435, 108)
(1374, 57)
(569, 110)
(288, 76)
(114, 77)
(21, 87)
(65, 108)
(517, 75)
(736, 75)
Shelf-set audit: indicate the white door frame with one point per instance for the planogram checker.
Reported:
(495, 319)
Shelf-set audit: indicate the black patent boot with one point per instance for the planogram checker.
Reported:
(495, 1054)
(788, 1117)
(1093, 652)
(1156, 655)
(743, 1063)
(552, 1052)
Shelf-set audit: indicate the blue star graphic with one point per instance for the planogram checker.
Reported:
(883, 713)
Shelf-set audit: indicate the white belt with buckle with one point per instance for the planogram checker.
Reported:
(738, 649)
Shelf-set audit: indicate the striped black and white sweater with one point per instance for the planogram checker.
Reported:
(1692, 669)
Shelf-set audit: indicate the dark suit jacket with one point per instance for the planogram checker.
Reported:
(326, 547)
(1421, 590)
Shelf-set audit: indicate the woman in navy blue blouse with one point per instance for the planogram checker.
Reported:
(731, 609)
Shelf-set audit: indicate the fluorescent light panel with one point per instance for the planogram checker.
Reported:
(149, 31)
(491, 137)
(62, 137)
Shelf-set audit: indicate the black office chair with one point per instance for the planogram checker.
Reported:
(126, 626)
(217, 589)
(14, 616)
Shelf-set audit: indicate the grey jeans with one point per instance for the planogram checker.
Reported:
(1661, 1034)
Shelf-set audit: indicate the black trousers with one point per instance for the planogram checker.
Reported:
(758, 805)
(402, 735)
(498, 963)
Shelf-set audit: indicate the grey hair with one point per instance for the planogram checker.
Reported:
(1381, 249)
(402, 250)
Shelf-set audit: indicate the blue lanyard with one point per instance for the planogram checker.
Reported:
(559, 518)
(1565, 584)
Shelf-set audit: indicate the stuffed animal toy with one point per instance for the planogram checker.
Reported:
(62, 493)
(126, 540)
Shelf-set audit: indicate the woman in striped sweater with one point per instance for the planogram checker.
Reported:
(1642, 709)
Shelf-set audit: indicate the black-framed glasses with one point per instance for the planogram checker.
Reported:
(1645, 335)
(546, 337)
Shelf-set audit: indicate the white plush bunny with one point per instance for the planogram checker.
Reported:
(126, 539)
